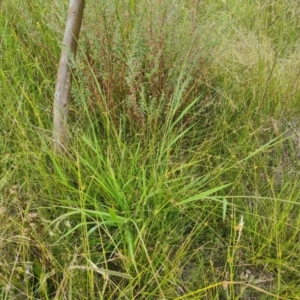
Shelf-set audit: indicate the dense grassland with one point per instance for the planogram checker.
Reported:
(183, 171)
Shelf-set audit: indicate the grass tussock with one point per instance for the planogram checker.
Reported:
(182, 179)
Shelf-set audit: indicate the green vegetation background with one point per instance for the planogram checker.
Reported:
(182, 176)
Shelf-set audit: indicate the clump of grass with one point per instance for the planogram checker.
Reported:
(182, 176)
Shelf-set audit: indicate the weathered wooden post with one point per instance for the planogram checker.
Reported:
(64, 75)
